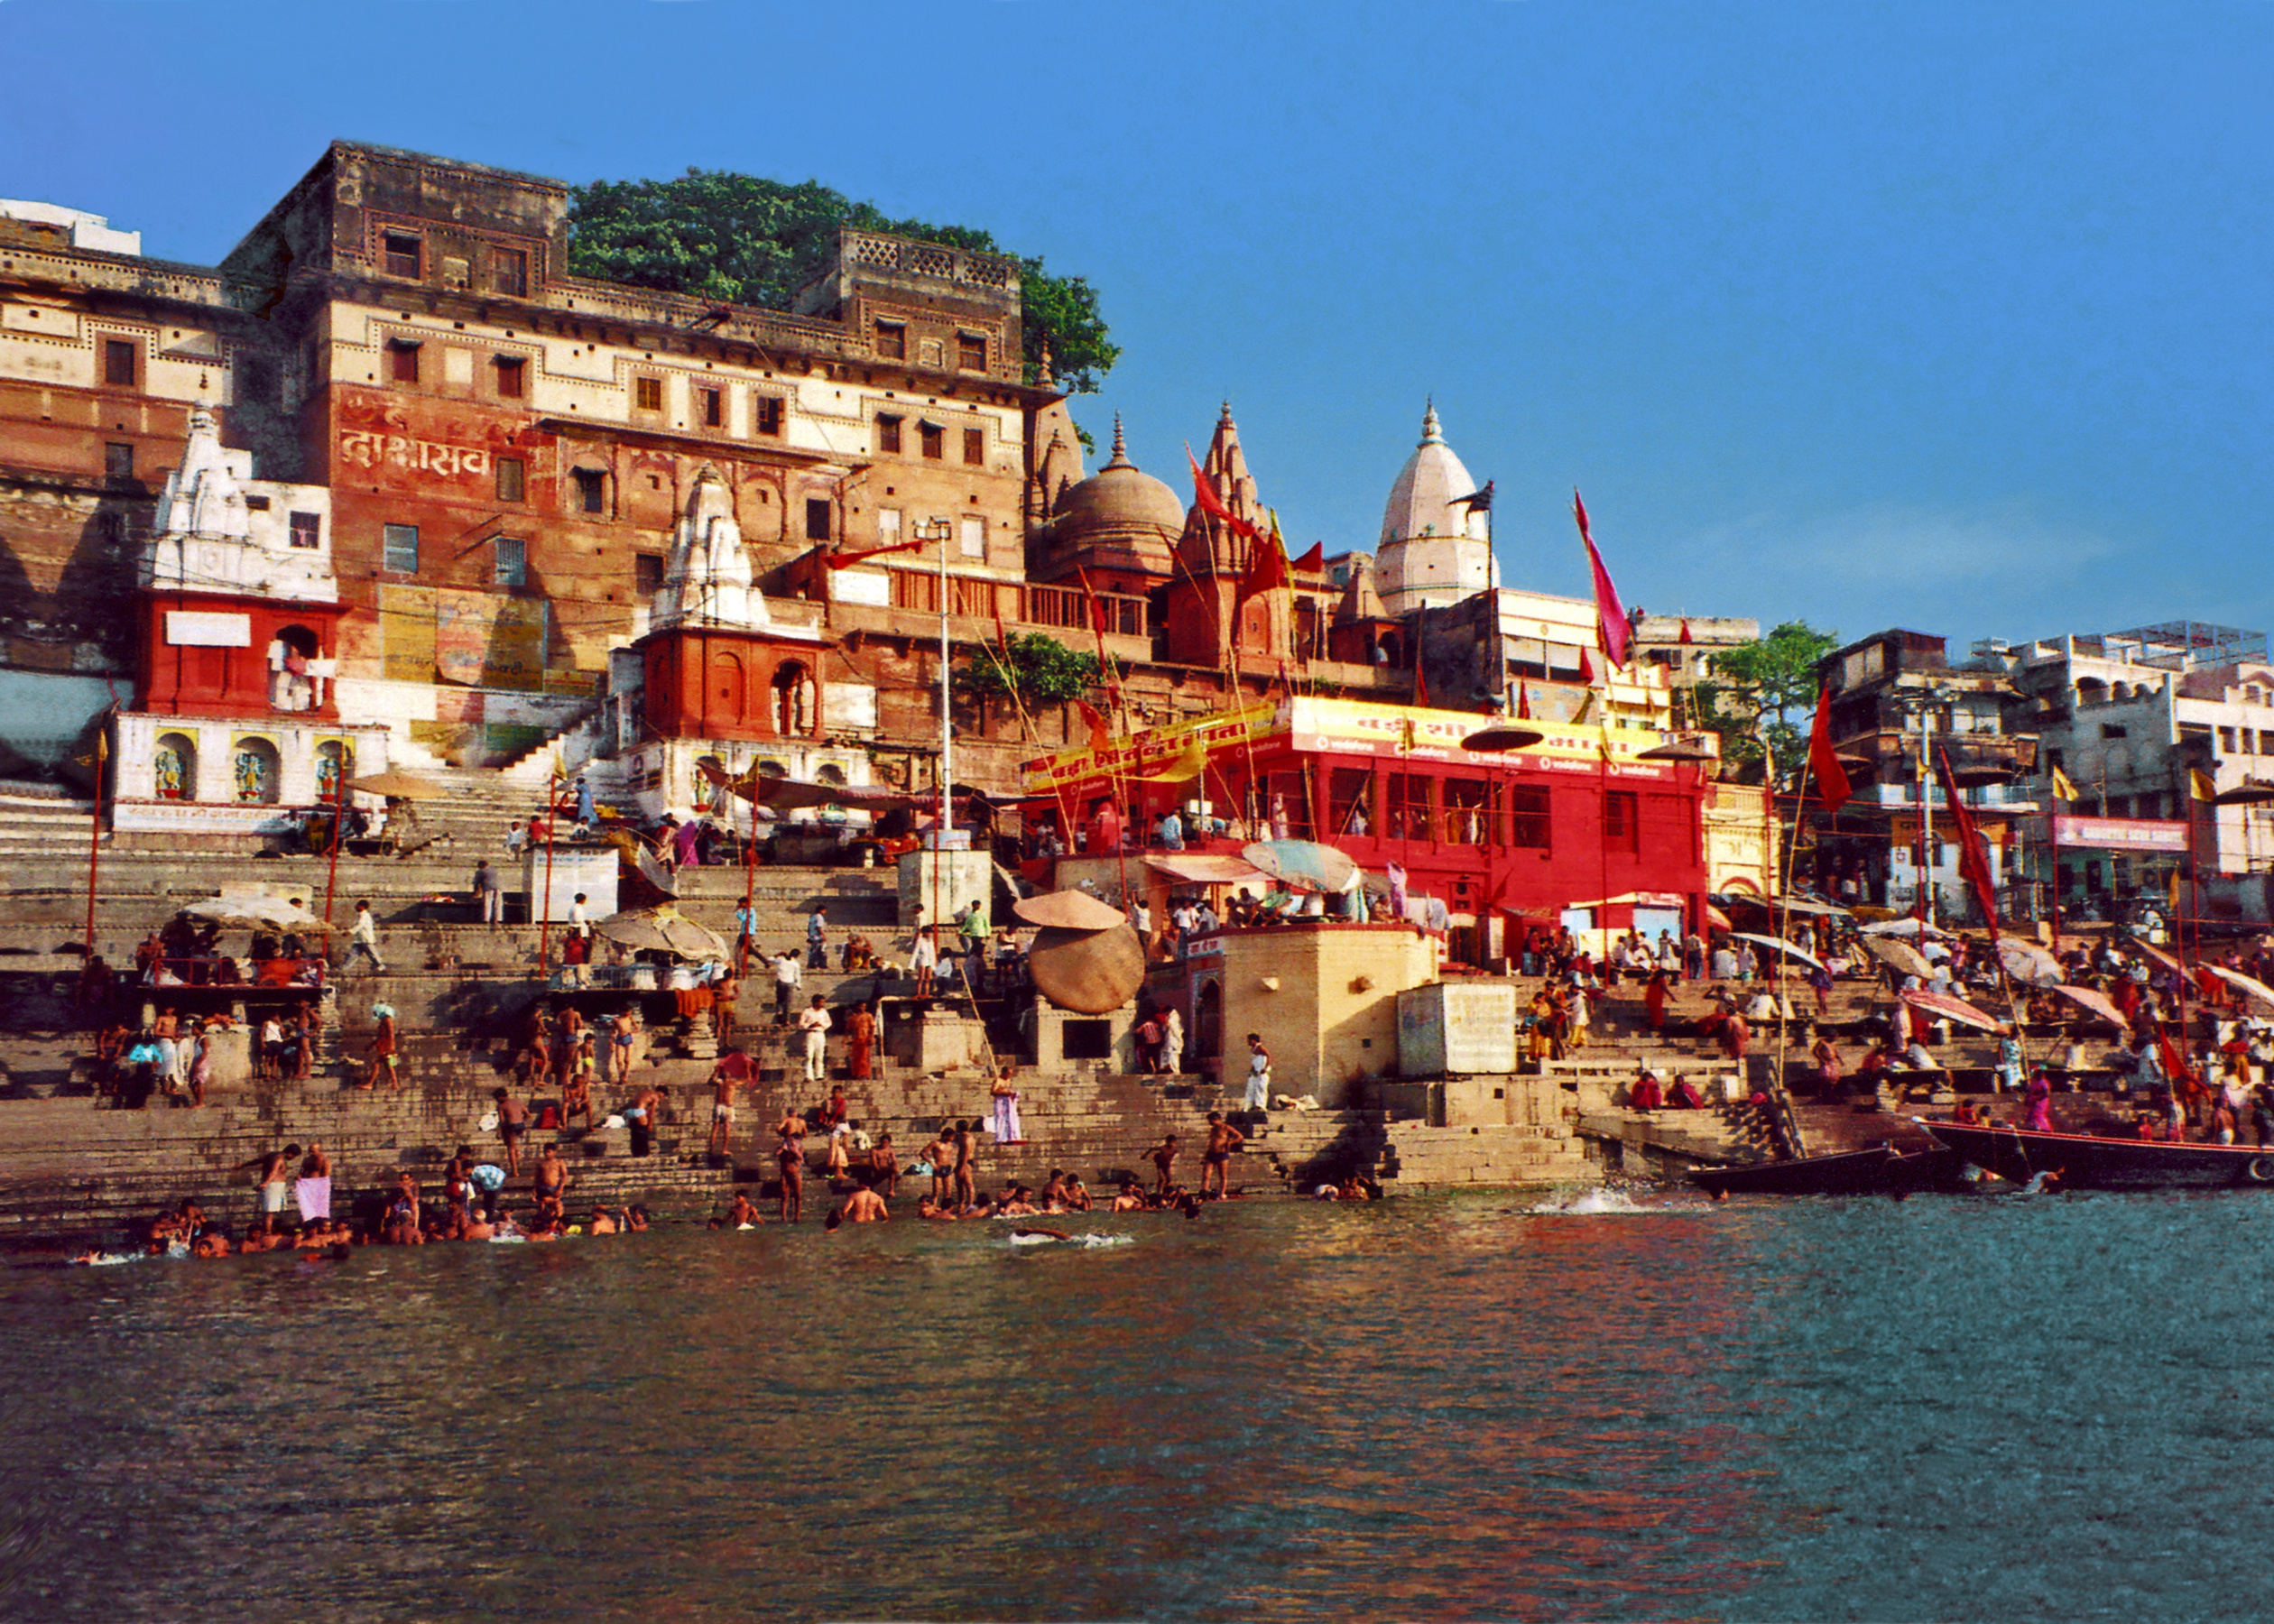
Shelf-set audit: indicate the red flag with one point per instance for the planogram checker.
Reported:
(1096, 720)
(1686, 636)
(1097, 609)
(1266, 570)
(1832, 778)
(1973, 862)
(1610, 619)
(1523, 703)
(1420, 677)
(1314, 559)
(1204, 492)
(1586, 668)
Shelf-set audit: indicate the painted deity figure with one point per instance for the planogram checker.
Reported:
(252, 776)
(171, 777)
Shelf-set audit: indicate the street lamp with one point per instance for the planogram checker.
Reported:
(1922, 704)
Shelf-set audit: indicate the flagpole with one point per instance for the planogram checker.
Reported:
(339, 817)
(95, 831)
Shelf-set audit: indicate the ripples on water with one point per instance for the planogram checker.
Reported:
(1941, 1408)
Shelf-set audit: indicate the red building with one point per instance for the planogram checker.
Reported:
(1504, 841)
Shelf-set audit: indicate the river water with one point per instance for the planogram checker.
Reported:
(1943, 1408)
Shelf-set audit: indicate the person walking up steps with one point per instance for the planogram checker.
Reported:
(366, 939)
(1258, 1083)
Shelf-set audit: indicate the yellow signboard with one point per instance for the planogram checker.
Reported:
(1153, 753)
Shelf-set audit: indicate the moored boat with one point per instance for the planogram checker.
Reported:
(1882, 1170)
(2086, 1163)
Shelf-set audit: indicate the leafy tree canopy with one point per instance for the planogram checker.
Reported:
(1756, 691)
(1039, 670)
(744, 240)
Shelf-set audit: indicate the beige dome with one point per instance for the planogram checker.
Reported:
(1424, 501)
(1119, 496)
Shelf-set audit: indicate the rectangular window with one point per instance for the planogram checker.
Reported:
(2226, 741)
(975, 446)
(512, 377)
(508, 271)
(769, 414)
(513, 479)
(817, 519)
(714, 408)
(308, 530)
(591, 491)
(888, 527)
(647, 574)
(402, 253)
(888, 433)
(118, 460)
(971, 537)
(402, 363)
(1406, 816)
(1350, 802)
(1466, 821)
(512, 562)
(891, 340)
(118, 362)
(970, 352)
(1621, 821)
(400, 553)
(1528, 819)
(934, 439)
(647, 393)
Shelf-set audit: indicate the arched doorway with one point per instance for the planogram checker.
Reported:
(254, 769)
(1208, 1021)
(174, 768)
(793, 700)
(726, 697)
(293, 685)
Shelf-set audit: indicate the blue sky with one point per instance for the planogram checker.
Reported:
(1947, 317)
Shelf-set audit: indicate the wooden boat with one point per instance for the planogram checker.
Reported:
(2086, 1163)
(1882, 1170)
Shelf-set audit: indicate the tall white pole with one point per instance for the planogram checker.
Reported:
(946, 715)
(1926, 806)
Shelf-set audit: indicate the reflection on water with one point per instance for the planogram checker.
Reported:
(1444, 1409)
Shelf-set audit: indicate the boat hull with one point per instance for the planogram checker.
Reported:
(1882, 1170)
(2085, 1163)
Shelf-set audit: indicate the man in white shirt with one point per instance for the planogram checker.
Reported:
(365, 940)
(787, 975)
(814, 1022)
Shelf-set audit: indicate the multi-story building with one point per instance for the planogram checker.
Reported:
(2128, 716)
(1897, 704)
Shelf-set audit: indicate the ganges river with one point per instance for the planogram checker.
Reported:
(1962, 1408)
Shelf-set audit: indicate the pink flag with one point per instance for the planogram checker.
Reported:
(1609, 613)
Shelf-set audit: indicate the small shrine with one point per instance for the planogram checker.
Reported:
(235, 719)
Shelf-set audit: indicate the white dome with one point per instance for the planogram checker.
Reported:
(1421, 503)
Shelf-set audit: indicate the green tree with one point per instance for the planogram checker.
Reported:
(1039, 670)
(743, 239)
(1758, 689)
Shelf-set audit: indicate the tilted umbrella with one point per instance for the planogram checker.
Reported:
(1302, 864)
(1789, 949)
(2029, 963)
(1954, 1009)
(2097, 1004)
(399, 786)
(1900, 955)
(662, 930)
(258, 909)
(1503, 737)
(2235, 978)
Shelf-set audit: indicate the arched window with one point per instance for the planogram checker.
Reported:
(254, 771)
(174, 767)
(828, 772)
(772, 769)
(335, 764)
(293, 685)
(794, 708)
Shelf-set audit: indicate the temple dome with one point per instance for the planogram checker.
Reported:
(1119, 496)
(1421, 503)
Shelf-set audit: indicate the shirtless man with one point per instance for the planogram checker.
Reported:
(640, 1115)
(940, 1155)
(1131, 1199)
(744, 1213)
(726, 993)
(866, 1206)
(1163, 1158)
(885, 1166)
(513, 1122)
(789, 1156)
(732, 1070)
(1222, 1141)
(621, 1033)
(552, 1183)
(966, 1146)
